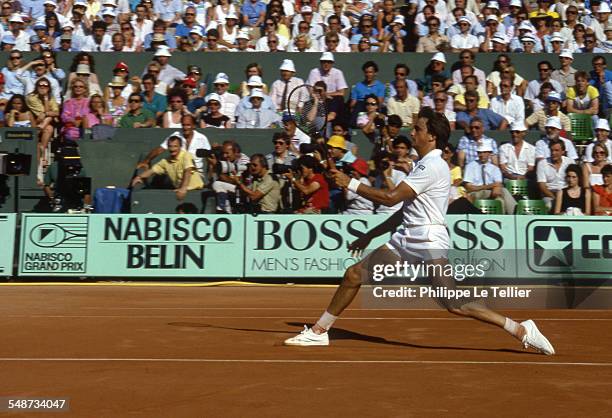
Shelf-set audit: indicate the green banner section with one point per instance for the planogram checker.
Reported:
(292, 246)
(132, 246)
(8, 224)
(304, 246)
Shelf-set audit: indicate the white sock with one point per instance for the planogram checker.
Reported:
(512, 327)
(326, 321)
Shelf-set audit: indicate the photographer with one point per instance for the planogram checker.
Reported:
(387, 176)
(282, 154)
(63, 192)
(38, 70)
(355, 204)
(232, 164)
(178, 170)
(311, 184)
(263, 193)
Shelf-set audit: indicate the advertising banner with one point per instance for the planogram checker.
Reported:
(305, 246)
(132, 246)
(7, 232)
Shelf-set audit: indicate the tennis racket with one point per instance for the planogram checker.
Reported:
(307, 105)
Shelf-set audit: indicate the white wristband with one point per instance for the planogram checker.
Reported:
(353, 185)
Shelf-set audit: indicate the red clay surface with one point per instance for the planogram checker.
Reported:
(215, 352)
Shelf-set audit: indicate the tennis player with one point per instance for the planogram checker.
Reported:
(422, 236)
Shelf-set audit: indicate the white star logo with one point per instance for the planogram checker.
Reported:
(553, 248)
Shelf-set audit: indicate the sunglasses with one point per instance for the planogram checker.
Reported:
(475, 128)
(439, 100)
(15, 58)
(599, 153)
(134, 101)
(43, 85)
(279, 143)
(176, 101)
(332, 41)
(371, 103)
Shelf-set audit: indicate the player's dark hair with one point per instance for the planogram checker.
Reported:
(437, 126)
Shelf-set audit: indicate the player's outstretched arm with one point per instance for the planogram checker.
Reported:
(385, 197)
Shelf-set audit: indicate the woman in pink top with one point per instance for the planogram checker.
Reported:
(75, 109)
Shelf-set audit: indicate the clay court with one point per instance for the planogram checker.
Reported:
(192, 351)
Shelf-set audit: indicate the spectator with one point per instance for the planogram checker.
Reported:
(602, 194)
(83, 72)
(75, 110)
(168, 74)
(263, 193)
(470, 83)
(151, 100)
(508, 104)
(282, 88)
(333, 77)
(517, 159)
(99, 40)
(464, 40)
(387, 177)
(457, 191)
(566, 73)
(440, 99)
(255, 84)
(600, 75)
(483, 180)
(117, 104)
(12, 83)
(573, 199)
(296, 136)
(553, 133)
(177, 109)
(591, 171)
(403, 105)
(229, 101)
(550, 110)
(401, 72)
(253, 69)
(467, 59)
(169, 11)
(17, 114)
(46, 111)
(311, 185)
(253, 14)
(191, 141)
(469, 143)
(131, 43)
(257, 117)
(434, 39)
(29, 78)
(582, 98)
(551, 172)
(355, 204)
(372, 118)
(213, 118)
(489, 119)
(178, 170)
(502, 67)
(339, 152)
(136, 116)
(233, 164)
(545, 72)
(602, 132)
(98, 113)
(433, 70)
(281, 154)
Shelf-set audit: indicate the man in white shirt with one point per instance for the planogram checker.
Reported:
(464, 40)
(508, 104)
(422, 237)
(551, 172)
(281, 89)
(333, 77)
(483, 180)
(553, 133)
(229, 101)
(517, 159)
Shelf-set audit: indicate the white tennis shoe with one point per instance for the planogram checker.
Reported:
(307, 338)
(535, 339)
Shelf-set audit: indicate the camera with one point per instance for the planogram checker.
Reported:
(280, 169)
(385, 165)
(205, 153)
(379, 122)
(15, 164)
(226, 167)
(70, 187)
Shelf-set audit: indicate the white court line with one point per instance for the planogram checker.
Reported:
(298, 361)
(282, 317)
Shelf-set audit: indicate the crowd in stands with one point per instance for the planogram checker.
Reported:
(570, 174)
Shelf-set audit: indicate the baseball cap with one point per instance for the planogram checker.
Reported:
(288, 117)
(439, 56)
(50, 3)
(163, 51)
(35, 39)
(242, 35)
(213, 97)
(121, 66)
(337, 141)
(189, 81)
(464, 19)
(255, 81)
(194, 69)
(492, 18)
(603, 125)
(399, 20)
(518, 126)
(197, 30)
(287, 65)
(553, 96)
(9, 39)
(492, 5)
(109, 12)
(306, 9)
(360, 166)
(221, 78)
(516, 3)
(553, 122)
(231, 15)
(484, 147)
(327, 56)
(256, 93)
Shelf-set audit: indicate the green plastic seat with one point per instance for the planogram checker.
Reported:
(582, 127)
(489, 206)
(531, 207)
(517, 187)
